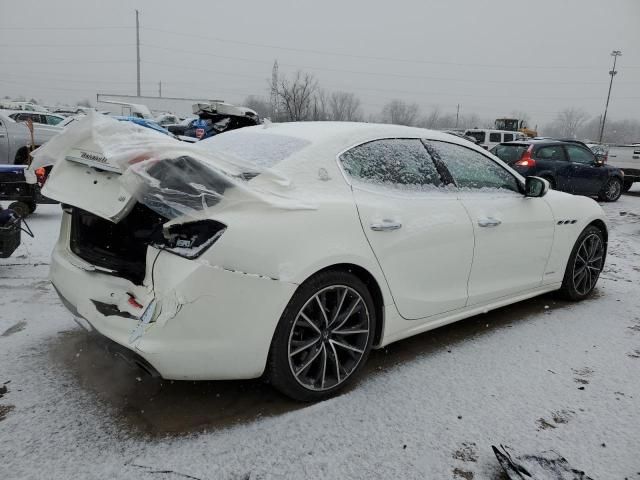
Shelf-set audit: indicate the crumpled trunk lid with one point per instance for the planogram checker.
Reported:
(105, 166)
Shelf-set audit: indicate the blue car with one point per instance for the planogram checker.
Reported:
(143, 122)
(569, 166)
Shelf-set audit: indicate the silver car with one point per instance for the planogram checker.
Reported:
(15, 139)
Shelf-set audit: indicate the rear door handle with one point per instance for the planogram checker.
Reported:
(385, 225)
(489, 222)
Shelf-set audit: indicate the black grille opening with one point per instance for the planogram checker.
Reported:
(122, 246)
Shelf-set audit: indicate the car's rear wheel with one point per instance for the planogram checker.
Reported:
(23, 209)
(323, 338)
(585, 264)
(612, 190)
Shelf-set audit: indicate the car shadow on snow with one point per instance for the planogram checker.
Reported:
(155, 407)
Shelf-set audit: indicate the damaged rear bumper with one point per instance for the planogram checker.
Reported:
(208, 322)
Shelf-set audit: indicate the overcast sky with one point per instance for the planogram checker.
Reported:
(491, 57)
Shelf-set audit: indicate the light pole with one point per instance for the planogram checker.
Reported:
(138, 51)
(615, 54)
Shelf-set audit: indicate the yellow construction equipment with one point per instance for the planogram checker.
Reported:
(515, 125)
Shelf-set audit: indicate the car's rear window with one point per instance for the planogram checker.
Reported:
(509, 153)
(260, 149)
(479, 136)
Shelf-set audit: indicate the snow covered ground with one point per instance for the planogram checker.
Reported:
(540, 375)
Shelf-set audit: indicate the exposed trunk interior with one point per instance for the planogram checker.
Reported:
(121, 246)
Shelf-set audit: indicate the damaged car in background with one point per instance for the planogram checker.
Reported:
(289, 251)
(214, 118)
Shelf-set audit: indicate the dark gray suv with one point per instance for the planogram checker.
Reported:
(569, 166)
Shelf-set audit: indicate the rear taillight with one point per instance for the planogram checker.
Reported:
(41, 176)
(526, 160)
(190, 240)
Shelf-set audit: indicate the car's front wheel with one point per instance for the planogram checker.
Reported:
(585, 264)
(612, 190)
(323, 338)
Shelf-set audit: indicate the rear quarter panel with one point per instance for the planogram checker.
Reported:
(292, 245)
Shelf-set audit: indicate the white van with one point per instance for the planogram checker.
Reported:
(488, 138)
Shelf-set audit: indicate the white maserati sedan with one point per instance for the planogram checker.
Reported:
(289, 251)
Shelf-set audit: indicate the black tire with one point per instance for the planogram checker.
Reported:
(315, 381)
(626, 186)
(23, 209)
(581, 260)
(611, 191)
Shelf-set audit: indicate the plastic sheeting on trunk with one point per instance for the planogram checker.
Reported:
(172, 178)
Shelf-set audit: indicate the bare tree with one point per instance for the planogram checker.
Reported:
(472, 121)
(344, 107)
(259, 104)
(400, 113)
(570, 120)
(431, 120)
(319, 103)
(295, 96)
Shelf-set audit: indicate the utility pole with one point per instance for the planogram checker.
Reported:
(160, 88)
(138, 48)
(615, 54)
(274, 92)
(457, 115)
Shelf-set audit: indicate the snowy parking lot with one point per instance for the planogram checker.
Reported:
(540, 375)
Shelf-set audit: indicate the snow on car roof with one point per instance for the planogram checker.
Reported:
(344, 133)
(290, 166)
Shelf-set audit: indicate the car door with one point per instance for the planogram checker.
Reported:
(513, 233)
(4, 143)
(418, 230)
(586, 176)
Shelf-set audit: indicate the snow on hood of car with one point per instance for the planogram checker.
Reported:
(171, 177)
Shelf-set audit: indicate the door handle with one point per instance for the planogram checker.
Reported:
(385, 225)
(489, 222)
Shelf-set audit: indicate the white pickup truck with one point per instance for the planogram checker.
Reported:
(15, 139)
(626, 158)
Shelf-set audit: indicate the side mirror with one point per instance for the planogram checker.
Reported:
(535, 187)
(599, 162)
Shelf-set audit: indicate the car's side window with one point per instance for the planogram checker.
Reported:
(471, 169)
(508, 137)
(494, 138)
(395, 162)
(580, 155)
(554, 152)
(51, 120)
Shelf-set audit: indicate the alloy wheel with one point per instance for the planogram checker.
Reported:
(613, 190)
(328, 337)
(588, 263)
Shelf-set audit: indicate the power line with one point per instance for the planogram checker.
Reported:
(381, 74)
(94, 27)
(386, 90)
(63, 60)
(41, 87)
(65, 45)
(66, 79)
(370, 57)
